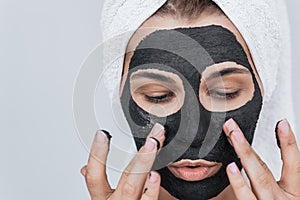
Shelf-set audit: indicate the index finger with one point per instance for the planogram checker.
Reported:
(133, 178)
(259, 174)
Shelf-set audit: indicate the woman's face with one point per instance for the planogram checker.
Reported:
(174, 86)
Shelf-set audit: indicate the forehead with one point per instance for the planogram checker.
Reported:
(156, 23)
(200, 46)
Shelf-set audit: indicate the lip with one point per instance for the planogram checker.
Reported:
(194, 170)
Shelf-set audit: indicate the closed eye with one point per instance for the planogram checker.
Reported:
(221, 95)
(159, 99)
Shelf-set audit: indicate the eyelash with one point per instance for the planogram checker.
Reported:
(222, 95)
(160, 99)
(215, 94)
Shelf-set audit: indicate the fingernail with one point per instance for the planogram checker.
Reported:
(107, 134)
(238, 136)
(284, 127)
(153, 177)
(150, 144)
(233, 168)
(158, 130)
(100, 137)
(276, 134)
(231, 125)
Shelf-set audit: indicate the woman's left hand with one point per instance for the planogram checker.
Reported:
(263, 183)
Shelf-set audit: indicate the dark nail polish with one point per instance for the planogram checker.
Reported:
(276, 133)
(145, 190)
(157, 142)
(107, 134)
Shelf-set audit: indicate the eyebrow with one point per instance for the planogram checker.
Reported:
(153, 76)
(227, 71)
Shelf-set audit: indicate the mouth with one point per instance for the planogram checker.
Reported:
(194, 170)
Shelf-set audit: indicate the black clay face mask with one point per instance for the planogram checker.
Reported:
(193, 132)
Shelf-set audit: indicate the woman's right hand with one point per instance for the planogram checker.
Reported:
(136, 182)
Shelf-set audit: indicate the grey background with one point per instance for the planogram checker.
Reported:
(294, 17)
(42, 45)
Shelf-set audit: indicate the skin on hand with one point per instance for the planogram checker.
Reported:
(136, 182)
(263, 184)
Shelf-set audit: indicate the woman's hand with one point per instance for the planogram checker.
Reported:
(136, 182)
(263, 184)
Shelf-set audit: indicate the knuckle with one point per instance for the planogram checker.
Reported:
(126, 173)
(263, 179)
(91, 184)
(240, 184)
(264, 165)
(247, 151)
(147, 196)
(145, 158)
(291, 143)
(91, 178)
(129, 189)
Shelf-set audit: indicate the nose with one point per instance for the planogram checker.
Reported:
(201, 130)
